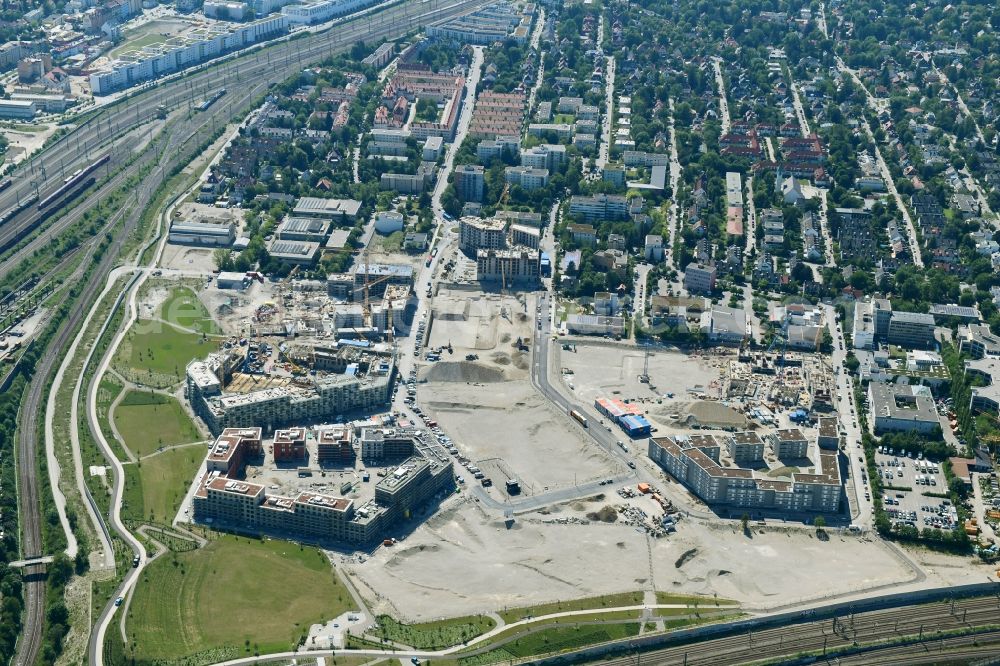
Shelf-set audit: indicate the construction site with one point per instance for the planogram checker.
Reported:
(480, 386)
(720, 389)
(467, 560)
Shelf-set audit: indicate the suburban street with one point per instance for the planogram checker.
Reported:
(911, 235)
(750, 232)
(861, 508)
(471, 83)
(720, 83)
(604, 149)
(674, 214)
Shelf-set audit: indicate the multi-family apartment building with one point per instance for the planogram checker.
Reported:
(699, 278)
(222, 498)
(320, 396)
(599, 207)
(469, 181)
(528, 178)
(476, 233)
(788, 443)
(180, 52)
(545, 156)
(488, 149)
(745, 448)
(697, 467)
(517, 265)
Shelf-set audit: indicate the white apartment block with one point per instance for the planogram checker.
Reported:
(528, 178)
(179, 53)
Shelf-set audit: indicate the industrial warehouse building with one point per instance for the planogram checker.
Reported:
(202, 234)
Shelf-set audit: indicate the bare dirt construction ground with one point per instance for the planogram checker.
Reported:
(598, 371)
(186, 258)
(466, 562)
(484, 324)
(510, 421)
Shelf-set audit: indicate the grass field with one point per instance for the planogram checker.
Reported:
(231, 598)
(154, 487)
(692, 600)
(607, 601)
(155, 353)
(138, 43)
(556, 639)
(139, 409)
(107, 391)
(434, 635)
(184, 309)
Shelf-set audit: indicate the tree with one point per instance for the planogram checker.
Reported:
(745, 523)
(819, 522)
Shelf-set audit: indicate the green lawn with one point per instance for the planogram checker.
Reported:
(232, 597)
(155, 353)
(139, 409)
(138, 43)
(393, 242)
(557, 639)
(692, 600)
(434, 635)
(607, 601)
(154, 487)
(184, 309)
(107, 391)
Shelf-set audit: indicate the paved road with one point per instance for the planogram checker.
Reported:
(860, 507)
(541, 369)
(674, 215)
(723, 101)
(797, 103)
(890, 184)
(471, 84)
(609, 104)
(96, 648)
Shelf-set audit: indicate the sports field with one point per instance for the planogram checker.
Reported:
(148, 421)
(156, 353)
(154, 487)
(231, 598)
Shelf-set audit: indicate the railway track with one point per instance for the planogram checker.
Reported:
(169, 157)
(34, 593)
(272, 63)
(776, 643)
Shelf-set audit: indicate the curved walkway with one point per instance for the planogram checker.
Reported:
(544, 622)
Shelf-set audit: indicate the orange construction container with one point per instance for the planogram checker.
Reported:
(643, 488)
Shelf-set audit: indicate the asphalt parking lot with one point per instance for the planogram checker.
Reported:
(912, 506)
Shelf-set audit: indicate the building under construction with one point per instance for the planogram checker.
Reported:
(234, 389)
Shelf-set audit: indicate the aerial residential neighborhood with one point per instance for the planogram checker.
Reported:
(497, 331)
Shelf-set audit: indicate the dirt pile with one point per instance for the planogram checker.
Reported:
(462, 371)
